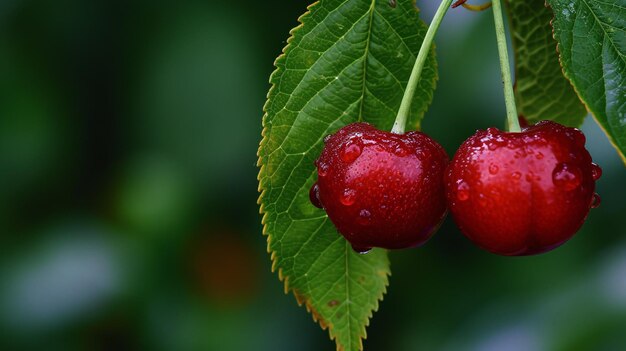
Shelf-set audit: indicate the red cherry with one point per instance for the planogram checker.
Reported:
(381, 189)
(522, 193)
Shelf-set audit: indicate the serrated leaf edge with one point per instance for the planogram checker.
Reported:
(567, 76)
(301, 299)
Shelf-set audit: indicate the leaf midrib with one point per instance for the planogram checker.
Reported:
(360, 119)
(365, 55)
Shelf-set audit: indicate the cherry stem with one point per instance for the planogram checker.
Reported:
(505, 69)
(405, 106)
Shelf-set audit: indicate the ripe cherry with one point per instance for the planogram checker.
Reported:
(522, 193)
(381, 189)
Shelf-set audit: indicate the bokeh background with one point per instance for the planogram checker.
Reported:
(128, 216)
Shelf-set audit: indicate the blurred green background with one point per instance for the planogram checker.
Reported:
(128, 216)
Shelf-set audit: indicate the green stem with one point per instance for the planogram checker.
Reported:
(509, 97)
(405, 106)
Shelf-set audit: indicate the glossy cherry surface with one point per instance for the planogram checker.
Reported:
(381, 189)
(522, 193)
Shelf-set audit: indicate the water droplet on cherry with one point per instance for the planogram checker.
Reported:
(314, 196)
(516, 175)
(493, 169)
(482, 200)
(361, 250)
(364, 217)
(400, 151)
(348, 197)
(322, 169)
(462, 191)
(327, 138)
(539, 155)
(350, 153)
(596, 171)
(595, 201)
(567, 176)
(579, 137)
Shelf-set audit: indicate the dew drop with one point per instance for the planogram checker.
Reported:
(493, 169)
(596, 171)
(492, 146)
(350, 153)
(348, 197)
(393, 3)
(400, 151)
(322, 169)
(595, 201)
(539, 155)
(516, 175)
(364, 217)
(567, 176)
(361, 250)
(326, 138)
(314, 196)
(462, 191)
(477, 143)
(482, 200)
(578, 137)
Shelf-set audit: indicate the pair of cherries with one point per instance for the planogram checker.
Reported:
(510, 193)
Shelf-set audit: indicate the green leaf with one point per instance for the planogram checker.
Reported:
(348, 61)
(541, 90)
(591, 38)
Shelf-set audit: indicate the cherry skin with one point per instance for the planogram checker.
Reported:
(381, 189)
(522, 193)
